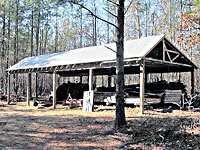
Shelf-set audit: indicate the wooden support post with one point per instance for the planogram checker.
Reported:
(81, 79)
(179, 76)
(54, 89)
(36, 85)
(94, 81)
(109, 80)
(28, 89)
(145, 78)
(88, 99)
(8, 98)
(90, 79)
(163, 50)
(142, 80)
(192, 82)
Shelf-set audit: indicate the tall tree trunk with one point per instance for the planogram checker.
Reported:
(138, 19)
(108, 27)
(27, 42)
(41, 41)
(8, 49)
(16, 84)
(46, 36)
(37, 49)
(153, 31)
(95, 28)
(181, 22)
(170, 19)
(81, 28)
(56, 28)
(94, 38)
(32, 34)
(108, 41)
(3, 51)
(146, 18)
(120, 112)
(38, 33)
(32, 28)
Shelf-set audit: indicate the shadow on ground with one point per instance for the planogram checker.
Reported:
(30, 130)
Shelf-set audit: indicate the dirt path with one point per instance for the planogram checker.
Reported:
(26, 128)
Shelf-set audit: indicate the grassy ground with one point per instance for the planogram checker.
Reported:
(39, 128)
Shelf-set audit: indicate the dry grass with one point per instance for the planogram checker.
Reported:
(23, 127)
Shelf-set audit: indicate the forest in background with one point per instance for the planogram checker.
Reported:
(35, 27)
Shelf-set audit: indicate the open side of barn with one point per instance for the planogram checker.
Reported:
(153, 54)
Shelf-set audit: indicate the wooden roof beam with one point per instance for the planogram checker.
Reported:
(152, 60)
(52, 68)
(175, 58)
(62, 67)
(171, 51)
(169, 57)
(57, 68)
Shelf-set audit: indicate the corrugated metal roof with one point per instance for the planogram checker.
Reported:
(132, 49)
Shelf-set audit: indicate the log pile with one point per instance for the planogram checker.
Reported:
(155, 92)
(172, 96)
(152, 100)
(102, 97)
(173, 91)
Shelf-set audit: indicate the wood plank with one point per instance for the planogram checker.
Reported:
(88, 101)
(28, 89)
(8, 98)
(90, 79)
(173, 96)
(175, 58)
(36, 84)
(169, 56)
(171, 51)
(54, 89)
(192, 82)
(152, 60)
(142, 80)
(164, 47)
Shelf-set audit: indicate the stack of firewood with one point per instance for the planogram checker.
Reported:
(173, 96)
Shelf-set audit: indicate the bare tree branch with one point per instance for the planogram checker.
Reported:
(128, 7)
(113, 2)
(109, 12)
(91, 13)
(110, 49)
